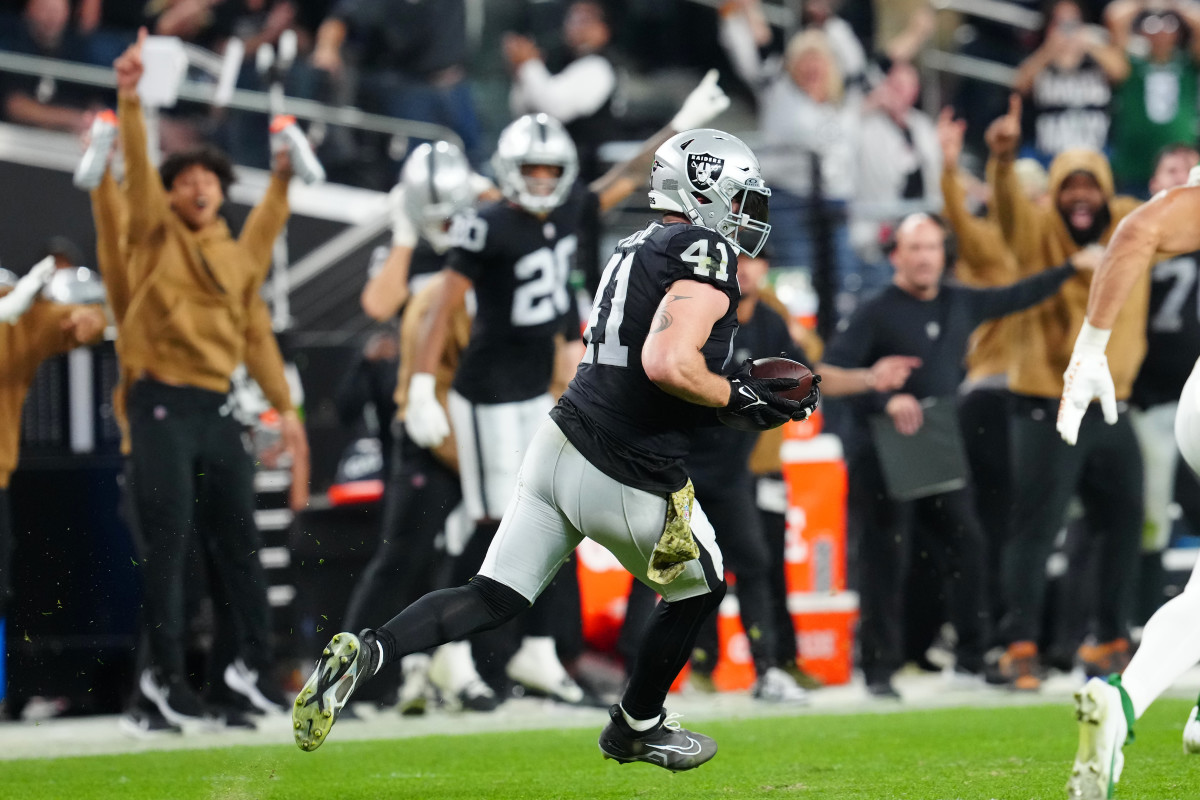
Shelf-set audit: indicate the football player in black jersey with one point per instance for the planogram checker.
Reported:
(608, 463)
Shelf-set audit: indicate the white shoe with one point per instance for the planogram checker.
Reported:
(452, 672)
(1191, 733)
(245, 681)
(776, 686)
(535, 666)
(957, 680)
(414, 691)
(1102, 731)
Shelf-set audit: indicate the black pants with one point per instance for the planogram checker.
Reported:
(774, 525)
(883, 529)
(7, 544)
(185, 448)
(730, 507)
(420, 495)
(984, 416)
(1105, 469)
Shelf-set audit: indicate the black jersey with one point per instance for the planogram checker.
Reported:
(426, 262)
(1172, 332)
(519, 265)
(617, 417)
(720, 455)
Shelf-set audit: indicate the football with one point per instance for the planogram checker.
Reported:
(784, 368)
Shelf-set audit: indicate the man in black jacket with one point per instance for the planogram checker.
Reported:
(918, 315)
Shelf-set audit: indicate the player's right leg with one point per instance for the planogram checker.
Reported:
(1104, 713)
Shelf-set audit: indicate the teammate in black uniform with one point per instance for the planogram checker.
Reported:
(609, 463)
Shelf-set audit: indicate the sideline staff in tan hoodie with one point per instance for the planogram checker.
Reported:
(192, 290)
(45, 330)
(1046, 472)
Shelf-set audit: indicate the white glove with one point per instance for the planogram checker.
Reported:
(704, 103)
(1087, 377)
(18, 301)
(424, 419)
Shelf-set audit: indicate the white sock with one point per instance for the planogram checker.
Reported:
(1170, 647)
(379, 663)
(638, 724)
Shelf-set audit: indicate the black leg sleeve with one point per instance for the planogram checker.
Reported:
(448, 615)
(666, 645)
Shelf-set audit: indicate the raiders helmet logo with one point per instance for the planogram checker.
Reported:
(704, 169)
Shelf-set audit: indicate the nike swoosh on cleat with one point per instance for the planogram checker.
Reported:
(692, 749)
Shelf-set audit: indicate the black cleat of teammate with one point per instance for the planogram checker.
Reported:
(666, 745)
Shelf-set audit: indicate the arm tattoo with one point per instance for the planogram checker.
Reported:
(663, 319)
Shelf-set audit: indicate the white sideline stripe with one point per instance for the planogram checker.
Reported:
(822, 447)
(801, 603)
(275, 557)
(821, 602)
(272, 480)
(273, 519)
(282, 595)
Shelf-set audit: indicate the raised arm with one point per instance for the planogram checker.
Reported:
(1015, 212)
(267, 219)
(977, 239)
(741, 32)
(577, 91)
(109, 217)
(704, 103)
(143, 185)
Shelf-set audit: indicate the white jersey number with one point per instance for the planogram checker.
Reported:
(542, 295)
(1181, 270)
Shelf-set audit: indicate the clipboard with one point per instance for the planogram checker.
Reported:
(931, 461)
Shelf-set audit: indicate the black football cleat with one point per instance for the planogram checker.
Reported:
(666, 745)
(346, 662)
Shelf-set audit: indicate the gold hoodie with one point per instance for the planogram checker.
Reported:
(263, 360)
(1044, 336)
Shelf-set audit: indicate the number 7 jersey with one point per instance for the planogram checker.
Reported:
(519, 266)
(617, 417)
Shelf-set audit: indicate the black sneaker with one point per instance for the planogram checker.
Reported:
(666, 745)
(174, 698)
(345, 662)
(264, 696)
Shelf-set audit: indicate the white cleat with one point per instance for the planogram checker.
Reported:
(414, 691)
(1191, 733)
(776, 686)
(345, 662)
(1102, 731)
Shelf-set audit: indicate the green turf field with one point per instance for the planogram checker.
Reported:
(1003, 753)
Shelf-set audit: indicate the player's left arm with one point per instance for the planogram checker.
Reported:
(672, 355)
(704, 103)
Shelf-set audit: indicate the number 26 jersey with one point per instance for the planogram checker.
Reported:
(612, 412)
(519, 266)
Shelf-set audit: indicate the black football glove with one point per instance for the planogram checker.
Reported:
(812, 399)
(753, 404)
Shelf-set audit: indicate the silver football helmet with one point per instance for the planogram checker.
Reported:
(74, 285)
(535, 139)
(437, 185)
(714, 180)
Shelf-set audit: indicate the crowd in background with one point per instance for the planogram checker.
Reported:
(1104, 114)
